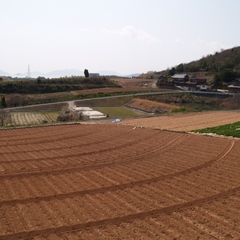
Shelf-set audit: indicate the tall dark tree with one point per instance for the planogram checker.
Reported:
(217, 81)
(227, 75)
(180, 68)
(3, 102)
(5, 117)
(172, 71)
(86, 73)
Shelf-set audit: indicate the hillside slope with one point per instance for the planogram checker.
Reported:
(227, 59)
(221, 67)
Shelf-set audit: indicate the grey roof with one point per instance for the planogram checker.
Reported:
(233, 86)
(177, 75)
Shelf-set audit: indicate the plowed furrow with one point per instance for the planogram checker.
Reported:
(69, 138)
(117, 220)
(117, 137)
(30, 136)
(121, 186)
(96, 163)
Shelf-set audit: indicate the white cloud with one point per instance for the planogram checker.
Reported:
(132, 32)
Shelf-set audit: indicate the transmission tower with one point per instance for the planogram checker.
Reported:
(29, 73)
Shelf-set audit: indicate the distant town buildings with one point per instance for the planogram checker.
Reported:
(94, 74)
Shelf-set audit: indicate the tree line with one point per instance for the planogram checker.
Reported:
(63, 84)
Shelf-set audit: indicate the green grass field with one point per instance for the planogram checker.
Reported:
(226, 130)
(119, 112)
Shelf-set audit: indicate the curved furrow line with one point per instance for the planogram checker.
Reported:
(95, 164)
(120, 219)
(63, 135)
(33, 133)
(79, 154)
(81, 145)
(48, 139)
(56, 148)
(120, 186)
(222, 155)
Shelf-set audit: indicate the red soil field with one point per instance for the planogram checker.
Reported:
(151, 106)
(109, 181)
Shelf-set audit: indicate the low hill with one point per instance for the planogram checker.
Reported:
(221, 67)
(226, 59)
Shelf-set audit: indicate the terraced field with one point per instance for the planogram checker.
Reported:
(33, 118)
(106, 181)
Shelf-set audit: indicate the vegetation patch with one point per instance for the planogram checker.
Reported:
(226, 130)
(110, 94)
(182, 109)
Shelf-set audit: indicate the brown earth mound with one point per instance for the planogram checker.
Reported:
(150, 106)
(117, 182)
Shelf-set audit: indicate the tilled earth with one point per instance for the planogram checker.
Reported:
(109, 181)
(187, 121)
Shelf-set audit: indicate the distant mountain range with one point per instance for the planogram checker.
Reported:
(2, 73)
(64, 73)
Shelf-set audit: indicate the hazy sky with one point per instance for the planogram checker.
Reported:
(126, 36)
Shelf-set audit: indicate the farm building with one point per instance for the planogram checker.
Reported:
(89, 113)
(190, 83)
(233, 89)
(180, 78)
